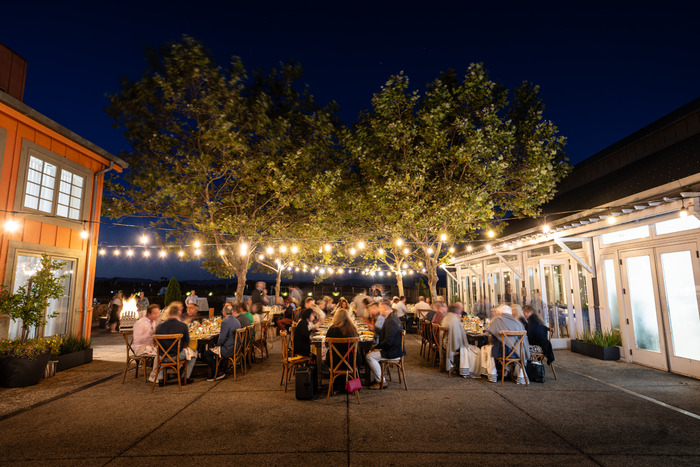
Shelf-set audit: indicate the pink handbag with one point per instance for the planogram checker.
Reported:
(353, 385)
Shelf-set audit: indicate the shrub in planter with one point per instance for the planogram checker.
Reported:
(24, 360)
(599, 344)
(74, 351)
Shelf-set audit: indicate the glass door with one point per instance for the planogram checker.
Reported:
(679, 275)
(556, 297)
(642, 307)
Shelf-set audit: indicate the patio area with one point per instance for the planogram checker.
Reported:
(597, 413)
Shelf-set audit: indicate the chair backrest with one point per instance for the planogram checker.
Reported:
(349, 358)
(513, 340)
(285, 345)
(435, 334)
(251, 331)
(165, 352)
(445, 336)
(292, 331)
(240, 340)
(264, 326)
(129, 349)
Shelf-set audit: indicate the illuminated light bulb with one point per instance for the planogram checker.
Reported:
(295, 249)
(11, 226)
(322, 270)
(488, 246)
(511, 246)
(443, 237)
(146, 253)
(244, 249)
(269, 250)
(197, 252)
(380, 251)
(352, 251)
(261, 257)
(102, 252)
(277, 261)
(452, 249)
(381, 273)
(420, 263)
(361, 245)
(469, 248)
(399, 241)
(611, 219)
(291, 264)
(491, 233)
(545, 228)
(423, 270)
(289, 268)
(143, 239)
(430, 251)
(683, 212)
(410, 271)
(283, 249)
(327, 247)
(404, 265)
(197, 244)
(222, 252)
(372, 273)
(84, 234)
(181, 253)
(296, 269)
(129, 252)
(406, 251)
(340, 271)
(520, 243)
(162, 254)
(117, 252)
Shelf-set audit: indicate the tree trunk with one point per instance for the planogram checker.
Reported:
(278, 284)
(399, 282)
(240, 288)
(432, 282)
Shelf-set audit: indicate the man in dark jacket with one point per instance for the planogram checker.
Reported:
(227, 337)
(173, 325)
(389, 346)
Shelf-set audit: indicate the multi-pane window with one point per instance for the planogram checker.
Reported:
(42, 193)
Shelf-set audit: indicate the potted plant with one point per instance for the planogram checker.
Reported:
(23, 360)
(603, 345)
(72, 352)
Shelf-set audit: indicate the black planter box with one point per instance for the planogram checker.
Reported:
(73, 359)
(595, 351)
(20, 372)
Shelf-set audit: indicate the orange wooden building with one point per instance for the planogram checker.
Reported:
(50, 197)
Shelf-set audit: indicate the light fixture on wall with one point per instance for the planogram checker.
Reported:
(684, 211)
(11, 226)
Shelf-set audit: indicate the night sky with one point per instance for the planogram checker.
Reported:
(605, 71)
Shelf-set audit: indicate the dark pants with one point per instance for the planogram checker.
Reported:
(210, 358)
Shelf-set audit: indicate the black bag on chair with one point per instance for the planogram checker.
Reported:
(305, 382)
(535, 372)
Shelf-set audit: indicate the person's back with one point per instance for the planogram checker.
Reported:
(302, 338)
(438, 317)
(174, 326)
(244, 319)
(505, 321)
(536, 331)
(227, 335)
(390, 338)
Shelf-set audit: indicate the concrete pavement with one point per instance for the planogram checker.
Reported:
(597, 413)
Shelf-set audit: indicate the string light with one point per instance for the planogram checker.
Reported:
(162, 254)
(11, 226)
(683, 212)
(399, 242)
(452, 249)
(322, 270)
(197, 252)
(443, 237)
(181, 253)
(197, 244)
(269, 250)
(430, 251)
(327, 247)
(488, 246)
(469, 248)
(129, 252)
(147, 253)
(222, 252)
(381, 252)
(117, 252)
(244, 249)
(611, 219)
(84, 234)
(295, 249)
(143, 239)
(361, 245)
(352, 251)
(491, 233)
(406, 251)
(102, 252)
(340, 271)
(545, 228)
(261, 257)
(283, 249)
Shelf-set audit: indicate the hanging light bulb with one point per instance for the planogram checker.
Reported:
(488, 246)
(404, 265)
(381, 273)
(469, 248)
(423, 270)
(162, 253)
(181, 253)
(452, 249)
(327, 247)
(322, 270)
(283, 249)
(295, 249)
(406, 251)
(491, 233)
(244, 249)
(430, 251)
(399, 241)
(269, 250)
(611, 219)
(197, 252)
(380, 252)
(297, 269)
(117, 252)
(443, 237)
(545, 228)
(340, 271)
(222, 252)
(520, 243)
(143, 239)
(353, 251)
(129, 252)
(84, 234)
(410, 271)
(102, 252)
(361, 245)
(197, 244)
(11, 226)
(261, 257)
(147, 253)
(683, 212)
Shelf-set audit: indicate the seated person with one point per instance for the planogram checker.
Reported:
(504, 321)
(191, 314)
(173, 325)
(320, 311)
(304, 330)
(537, 334)
(374, 319)
(227, 338)
(457, 343)
(165, 312)
(241, 314)
(421, 308)
(342, 326)
(389, 346)
(143, 331)
(440, 312)
(288, 317)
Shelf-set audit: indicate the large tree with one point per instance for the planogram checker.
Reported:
(439, 167)
(216, 155)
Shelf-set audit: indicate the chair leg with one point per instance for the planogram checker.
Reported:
(126, 368)
(179, 382)
(381, 378)
(404, 377)
(156, 378)
(137, 369)
(284, 373)
(330, 387)
(503, 372)
(216, 368)
(551, 365)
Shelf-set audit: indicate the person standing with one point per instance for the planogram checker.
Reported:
(192, 298)
(115, 311)
(142, 304)
(295, 294)
(389, 346)
(225, 343)
(259, 295)
(359, 303)
(173, 325)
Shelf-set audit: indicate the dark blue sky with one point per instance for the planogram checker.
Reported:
(605, 70)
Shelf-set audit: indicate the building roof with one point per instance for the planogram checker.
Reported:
(29, 112)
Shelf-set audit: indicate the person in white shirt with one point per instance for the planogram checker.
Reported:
(400, 307)
(192, 298)
(421, 308)
(144, 329)
(359, 305)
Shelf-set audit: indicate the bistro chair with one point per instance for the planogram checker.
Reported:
(540, 356)
(238, 356)
(165, 361)
(260, 341)
(423, 339)
(512, 340)
(132, 357)
(434, 343)
(397, 362)
(289, 365)
(249, 345)
(342, 363)
(444, 343)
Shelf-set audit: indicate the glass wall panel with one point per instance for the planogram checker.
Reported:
(611, 293)
(583, 295)
(681, 297)
(25, 268)
(643, 303)
(677, 225)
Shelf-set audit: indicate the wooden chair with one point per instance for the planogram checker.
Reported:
(238, 357)
(435, 343)
(397, 362)
(342, 364)
(165, 361)
(423, 339)
(514, 341)
(132, 357)
(289, 365)
(444, 340)
(261, 340)
(539, 357)
(249, 344)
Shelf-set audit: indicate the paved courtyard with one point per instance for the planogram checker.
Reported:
(597, 413)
